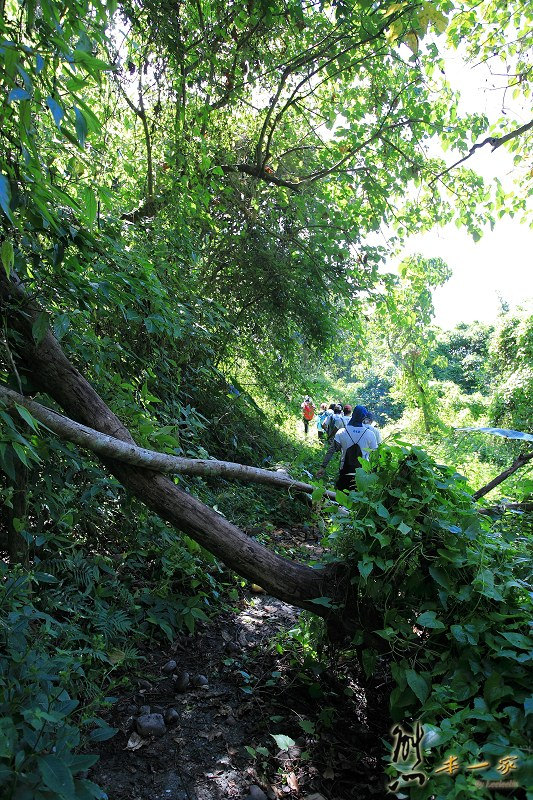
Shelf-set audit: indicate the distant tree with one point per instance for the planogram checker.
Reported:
(462, 356)
(511, 365)
(404, 316)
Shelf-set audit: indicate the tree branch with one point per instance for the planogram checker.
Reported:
(519, 462)
(503, 507)
(494, 141)
(128, 453)
(258, 172)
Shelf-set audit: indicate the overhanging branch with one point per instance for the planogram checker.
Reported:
(494, 141)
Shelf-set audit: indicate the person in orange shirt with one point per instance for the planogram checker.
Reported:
(308, 412)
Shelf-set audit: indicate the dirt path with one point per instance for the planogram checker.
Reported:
(221, 742)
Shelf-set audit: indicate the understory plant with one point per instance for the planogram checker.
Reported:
(442, 597)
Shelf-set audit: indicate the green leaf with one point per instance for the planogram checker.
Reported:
(322, 601)
(57, 111)
(441, 577)
(40, 327)
(365, 568)
(282, 741)
(429, 620)
(7, 255)
(56, 775)
(5, 197)
(87, 790)
(418, 684)
(45, 577)
(27, 417)
(403, 528)
(19, 450)
(61, 326)
(102, 734)
(91, 205)
(518, 639)
(81, 126)
(18, 94)
(528, 705)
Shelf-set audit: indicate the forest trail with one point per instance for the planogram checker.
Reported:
(254, 690)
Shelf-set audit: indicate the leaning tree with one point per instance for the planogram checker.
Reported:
(196, 184)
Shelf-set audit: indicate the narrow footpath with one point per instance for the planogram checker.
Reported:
(238, 711)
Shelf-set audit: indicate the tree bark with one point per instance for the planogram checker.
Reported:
(53, 373)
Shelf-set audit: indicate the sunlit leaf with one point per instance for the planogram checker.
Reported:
(282, 741)
(55, 108)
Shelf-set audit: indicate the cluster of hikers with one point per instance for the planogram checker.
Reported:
(351, 432)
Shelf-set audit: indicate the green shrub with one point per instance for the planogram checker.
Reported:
(448, 594)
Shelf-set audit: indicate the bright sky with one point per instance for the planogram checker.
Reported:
(501, 263)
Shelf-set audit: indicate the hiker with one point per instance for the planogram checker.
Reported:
(347, 413)
(370, 422)
(308, 411)
(354, 442)
(320, 419)
(335, 421)
(327, 420)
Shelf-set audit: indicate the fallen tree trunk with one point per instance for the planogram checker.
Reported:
(52, 372)
(128, 453)
(505, 507)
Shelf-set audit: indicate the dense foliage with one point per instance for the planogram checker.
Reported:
(192, 194)
(450, 595)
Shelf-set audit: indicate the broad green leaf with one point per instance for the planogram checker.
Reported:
(27, 417)
(5, 197)
(282, 741)
(418, 684)
(90, 205)
(19, 450)
(322, 601)
(56, 775)
(17, 95)
(7, 255)
(81, 126)
(87, 790)
(429, 620)
(103, 733)
(518, 639)
(365, 568)
(40, 327)
(55, 108)
(441, 577)
(403, 528)
(61, 326)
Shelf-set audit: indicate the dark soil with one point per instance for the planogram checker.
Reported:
(260, 686)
